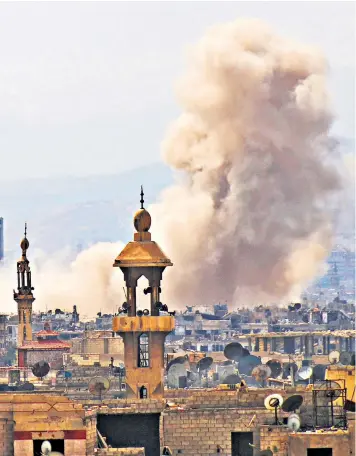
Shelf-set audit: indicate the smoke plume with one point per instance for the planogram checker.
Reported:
(90, 281)
(249, 220)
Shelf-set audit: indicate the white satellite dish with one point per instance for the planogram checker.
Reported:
(334, 357)
(46, 448)
(294, 422)
(273, 401)
(305, 372)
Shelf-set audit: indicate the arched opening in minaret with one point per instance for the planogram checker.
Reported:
(143, 392)
(143, 296)
(143, 351)
(24, 333)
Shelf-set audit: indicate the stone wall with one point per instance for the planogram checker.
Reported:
(274, 438)
(120, 452)
(102, 343)
(339, 441)
(6, 433)
(53, 357)
(91, 437)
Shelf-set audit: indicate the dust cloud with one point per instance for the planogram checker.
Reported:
(90, 281)
(249, 219)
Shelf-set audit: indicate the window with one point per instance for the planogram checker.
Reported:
(143, 351)
(143, 392)
(24, 333)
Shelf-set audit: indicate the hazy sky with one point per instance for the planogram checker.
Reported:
(88, 88)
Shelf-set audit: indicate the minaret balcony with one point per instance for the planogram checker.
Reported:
(164, 323)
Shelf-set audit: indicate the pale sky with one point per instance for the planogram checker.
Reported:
(88, 88)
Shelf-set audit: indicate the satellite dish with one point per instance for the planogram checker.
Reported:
(245, 352)
(234, 351)
(273, 401)
(46, 447)
(178, 360)
(334, 357)
(232, 379)
(297, 306)
(99, 385)
(40, 369)
(305, 372)
(292, 403)
(261, 373)
(293, 422)
(319, 372)
(247, 363)
(288, 369)
(275, 366)
(332, 390)
(345, 358)
(353, 361)
(204, 364)
(174, 372)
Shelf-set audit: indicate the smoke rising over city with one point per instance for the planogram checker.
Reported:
(250, 220)
(250, 217)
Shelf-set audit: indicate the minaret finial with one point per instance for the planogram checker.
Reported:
(142, 200)
(25, 229)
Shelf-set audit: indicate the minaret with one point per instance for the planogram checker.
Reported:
(24, 296)
(143, 332)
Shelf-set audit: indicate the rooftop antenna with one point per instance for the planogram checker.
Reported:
(99, 385)
(142, 200)
(293, 422)
(40, 369)
(273, 402)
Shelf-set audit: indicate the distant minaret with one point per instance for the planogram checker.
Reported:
(24, 296)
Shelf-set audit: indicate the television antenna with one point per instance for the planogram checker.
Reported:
(345, 358)
(98, 386)
(275, 366)
(293, 422)
(248, 363)
(274, 402)
(334, 357)
(261, 373)
(40, 369)
(292, 403)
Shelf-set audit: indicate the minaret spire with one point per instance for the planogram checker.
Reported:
(142, 195)
(24, 296)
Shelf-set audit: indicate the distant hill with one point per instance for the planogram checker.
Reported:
(76, 212)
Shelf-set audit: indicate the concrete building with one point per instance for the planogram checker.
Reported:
(153, 421)
(47, 347)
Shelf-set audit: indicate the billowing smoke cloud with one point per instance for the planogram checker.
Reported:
(90, 281)
(250, 218)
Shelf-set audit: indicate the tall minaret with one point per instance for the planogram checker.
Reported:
(24, 296)
(144, 331)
